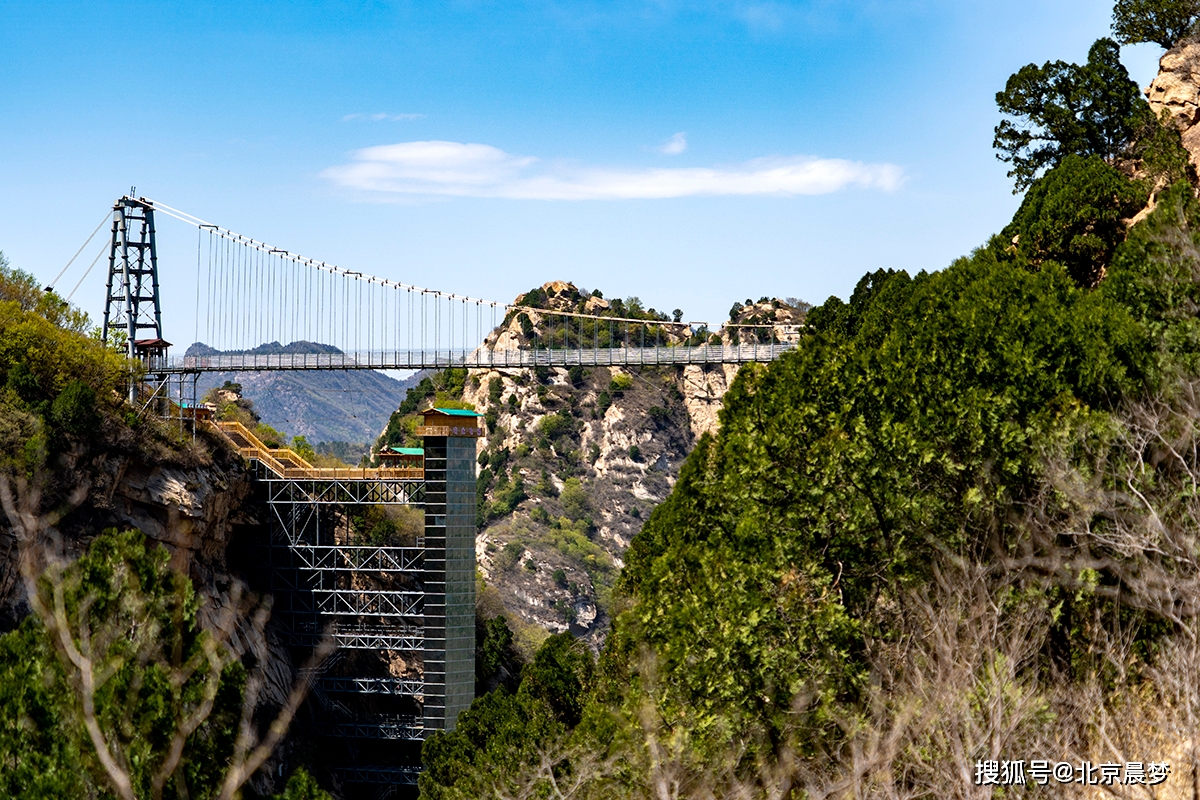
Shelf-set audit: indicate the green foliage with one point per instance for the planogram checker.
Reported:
(509, 555)
(22, 289)
(621, 382)
(141, 619)
(1165, 161)
(635, 452)
(603, 401)
(1060, 109)
(1164, 22)
(302, 448)
(560, 676)
(302, 786)
(74, 410)
(907, 419)
(546, 487)
(42, 351)
(555, 426)
(495, 387)
(560, 579)
(658, 414)
(1074, 215)
(41, 751)
(493, 650)
(268, 435)
(507, 496)
(383, 525)
(574, 499)
(501, 732)
(1156, 276)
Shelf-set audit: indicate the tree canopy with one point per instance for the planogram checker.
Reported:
(1060, 109)
(135, 619)
(1163, 22)
(1075, 215)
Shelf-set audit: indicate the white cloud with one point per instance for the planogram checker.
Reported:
(381, 117)
(480, 170)
(675, 145)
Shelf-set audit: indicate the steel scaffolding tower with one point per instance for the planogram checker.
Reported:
(400, 613)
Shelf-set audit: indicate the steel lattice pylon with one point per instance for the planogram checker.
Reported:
(132, 303)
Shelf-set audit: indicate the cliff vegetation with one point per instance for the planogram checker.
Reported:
(956, 526)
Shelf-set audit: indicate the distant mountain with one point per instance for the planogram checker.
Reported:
(326, 406)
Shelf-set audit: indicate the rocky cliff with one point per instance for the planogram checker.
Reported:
(576, 459)
(1176, 92)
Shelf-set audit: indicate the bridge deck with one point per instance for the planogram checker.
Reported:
(475, 359)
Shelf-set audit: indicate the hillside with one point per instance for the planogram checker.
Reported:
(576, 459)
(327, 407)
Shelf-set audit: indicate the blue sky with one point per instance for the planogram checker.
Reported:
(690, 153)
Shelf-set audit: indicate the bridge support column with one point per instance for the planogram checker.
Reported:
(449, 579)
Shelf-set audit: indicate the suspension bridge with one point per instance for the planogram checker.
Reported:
(400, 611)
(249, 293)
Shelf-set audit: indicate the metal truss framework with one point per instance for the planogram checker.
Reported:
(356, 636)
(339, 491)
(394, 686)
(366, 598)
(390, 776)
(294, 599)
(394, 728)
(343, 558)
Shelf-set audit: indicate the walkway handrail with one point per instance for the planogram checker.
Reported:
(276, 459)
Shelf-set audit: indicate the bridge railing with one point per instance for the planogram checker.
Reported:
(479, 358)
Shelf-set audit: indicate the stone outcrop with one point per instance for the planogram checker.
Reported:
(703, 394)
(1176, 91)
(631, 430)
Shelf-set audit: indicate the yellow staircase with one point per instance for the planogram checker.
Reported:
(288, 463)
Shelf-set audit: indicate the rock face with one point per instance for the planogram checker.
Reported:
(1176, 90)
(703, 393)
(188, 502)
(593, 451)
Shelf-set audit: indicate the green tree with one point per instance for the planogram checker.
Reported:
(1059, 109)
(574, 499)
(302, 786)
(501, 733)
(74, 410)
(1075, 214)
(302, 448)
(1163, 22)
(123, 691)
(901, 429)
